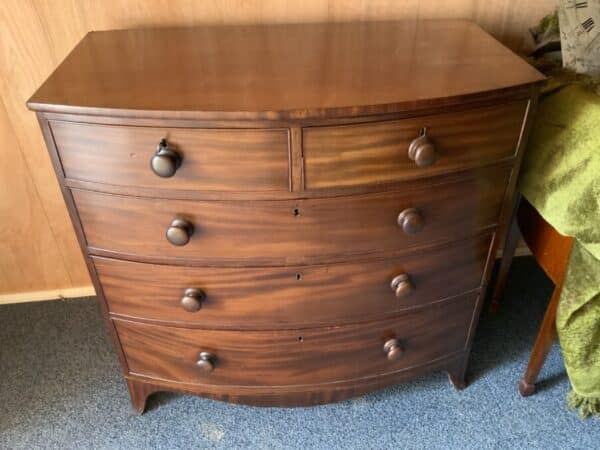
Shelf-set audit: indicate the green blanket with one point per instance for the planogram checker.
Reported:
(561, 178)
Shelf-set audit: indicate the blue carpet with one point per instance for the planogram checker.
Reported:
(61, 387)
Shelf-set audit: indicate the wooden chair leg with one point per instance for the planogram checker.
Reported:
(542, 346)
(510, 246)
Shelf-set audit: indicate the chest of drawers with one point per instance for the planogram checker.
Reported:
(288, 214)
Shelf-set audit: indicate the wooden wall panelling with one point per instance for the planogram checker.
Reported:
(27, 56)
(31, 265)
(23, 224)
(509, 20)
(35, 35)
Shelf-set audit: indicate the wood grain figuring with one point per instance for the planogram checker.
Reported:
(140, 387)
(46, 257)
(287, 297)
(310, 356)
(285, 71)
(37, 36)
(378, 152)
(287, 232)
(24, 228)
(210, 157)
(275, 267)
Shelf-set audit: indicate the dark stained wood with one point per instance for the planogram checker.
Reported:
(507, 209)
(141, 388)
(266, 203)
(212, 159)
(456, 373)
(414, 184)
(286, 70)
(72, 210)
(552, 251)
(284, 232)
(287, 297)
(377, 152)
(436, 106)
(508, 251)
(307, 356)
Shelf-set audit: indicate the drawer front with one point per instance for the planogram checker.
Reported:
(271, 298)
(287, 232)
(372, 153)
(211, 159)
(293, 357)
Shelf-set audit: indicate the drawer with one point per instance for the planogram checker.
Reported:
(291, 231)
(296, 357)
(377, 152)
(211, 159)
(284, 297)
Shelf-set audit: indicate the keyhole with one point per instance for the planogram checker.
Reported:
(300, 339)
(298, 276)
(296, 212)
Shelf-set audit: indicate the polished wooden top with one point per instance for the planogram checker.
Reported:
(281, 71)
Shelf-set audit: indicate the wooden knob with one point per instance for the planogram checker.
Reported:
(402, 285)
(411, 220)
(192, 299)
(393, 349)
(179, 232)
(422, 151)
(165, 161)
(206, 361)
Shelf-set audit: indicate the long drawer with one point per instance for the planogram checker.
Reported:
(296, 357)
(252, 160)
(292, 231)
(378, 152)
(285, 297)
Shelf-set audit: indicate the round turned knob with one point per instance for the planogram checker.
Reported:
(393, 349)
(422, 151)
(165, 161)
(179, 232)
(411, 220)
(402, 285)
(206, 361)
(192, 299)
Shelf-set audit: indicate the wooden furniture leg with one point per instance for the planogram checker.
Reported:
(508, 253)
(457, 373)
(552, 251)
(542, 346)
(139, 393)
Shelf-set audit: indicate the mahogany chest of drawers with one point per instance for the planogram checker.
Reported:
(288, 214)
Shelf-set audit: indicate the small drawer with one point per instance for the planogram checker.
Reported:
(286, 232)
(295, 357)
(391, 151)
(286, 297)
(189, 159)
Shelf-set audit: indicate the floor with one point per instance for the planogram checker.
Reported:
(60, 387)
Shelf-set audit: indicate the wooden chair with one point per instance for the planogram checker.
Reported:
(551, 250)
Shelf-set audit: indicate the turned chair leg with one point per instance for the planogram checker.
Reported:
(542, 346)
(510, 247)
